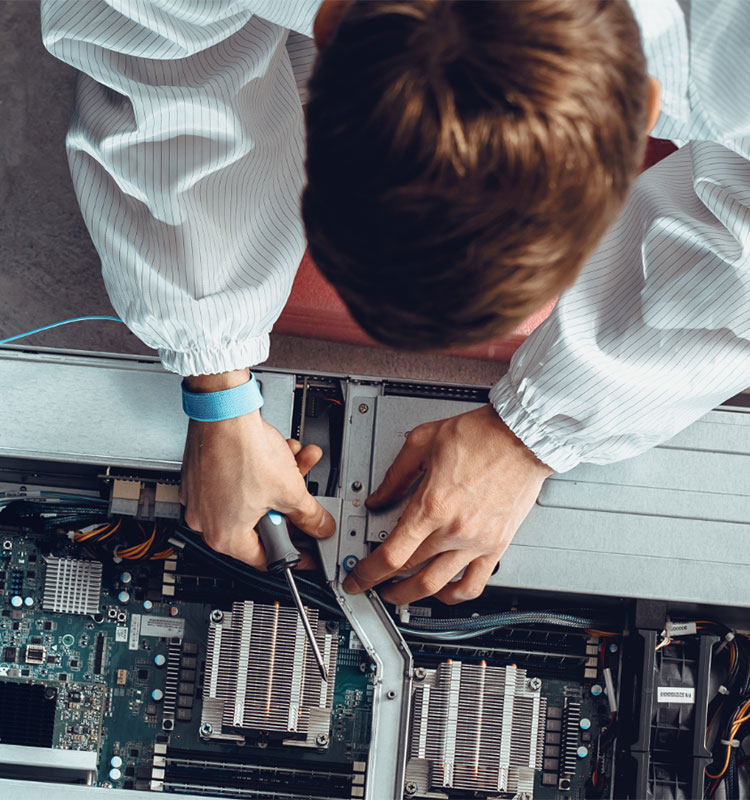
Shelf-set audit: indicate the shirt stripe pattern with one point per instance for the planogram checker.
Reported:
(186, 152)
(656, 330)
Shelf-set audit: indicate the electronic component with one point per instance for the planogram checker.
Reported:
(34, 654)
(476, 728)
(27, 713)
(260, 673)
(72, 586)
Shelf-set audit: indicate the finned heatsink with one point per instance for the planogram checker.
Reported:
(477, 728)
(72, 586)
(261, 674)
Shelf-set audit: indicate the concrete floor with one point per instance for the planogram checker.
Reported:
(50, 269)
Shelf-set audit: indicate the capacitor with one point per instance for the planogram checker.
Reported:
(612, 648)
(582, 751)
(115, 762)
(160, 660)
(16, 601)
(147, 605)
(596, 690)
(124, 597)
(115, 774)
(585, 723)
(126, 578)
(28, 601)
(157, 695)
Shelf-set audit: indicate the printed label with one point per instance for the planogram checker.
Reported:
(135, 631)
(162, 626)
(675, 694)
(121, 633)
(681, 629)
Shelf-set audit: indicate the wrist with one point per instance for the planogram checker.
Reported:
(216, 382)
(517, 447)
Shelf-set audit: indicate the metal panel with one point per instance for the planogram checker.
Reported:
(669, 524)
(105, 410)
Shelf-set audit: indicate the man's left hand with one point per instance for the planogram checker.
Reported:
(479, 483)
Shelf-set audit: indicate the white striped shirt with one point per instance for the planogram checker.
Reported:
(186, 149)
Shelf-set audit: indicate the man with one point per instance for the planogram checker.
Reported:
(464, 160)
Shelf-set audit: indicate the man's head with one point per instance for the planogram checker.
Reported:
(465, 157)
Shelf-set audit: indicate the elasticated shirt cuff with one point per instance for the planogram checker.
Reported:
(210, 361)
(555, 454)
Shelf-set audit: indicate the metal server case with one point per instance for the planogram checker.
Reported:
(648, 539)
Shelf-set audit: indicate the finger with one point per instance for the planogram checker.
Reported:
(433, 545)
(429, 580)
(309, 516)
(406, 468)
(391, 556)
(294, 445)
(472, 582)
(307, 458)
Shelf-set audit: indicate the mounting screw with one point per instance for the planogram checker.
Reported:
(217, 615)
(535, 684)
(420, 673)
(383, 535)
(356, 503)
(357, 486)
(206, 730)
(321, 740)
(363, 408)
(410, 788)
(391, 695)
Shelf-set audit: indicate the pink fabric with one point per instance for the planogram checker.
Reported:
(315, 310)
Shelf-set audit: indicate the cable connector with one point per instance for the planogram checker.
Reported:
(722, 689)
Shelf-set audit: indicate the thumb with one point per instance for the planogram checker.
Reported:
(401, 475)
(309, 516)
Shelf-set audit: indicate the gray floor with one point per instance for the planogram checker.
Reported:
(50, 269)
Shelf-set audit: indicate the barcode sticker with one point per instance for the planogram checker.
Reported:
(675, 694)
(121, 633)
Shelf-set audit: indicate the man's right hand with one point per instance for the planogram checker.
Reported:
(235, 470)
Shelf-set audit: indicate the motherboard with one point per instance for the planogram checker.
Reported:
(171, 674)
(167, 675)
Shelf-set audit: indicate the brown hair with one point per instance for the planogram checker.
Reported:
(465, 157)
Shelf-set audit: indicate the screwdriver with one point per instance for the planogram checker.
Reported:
(283, 556)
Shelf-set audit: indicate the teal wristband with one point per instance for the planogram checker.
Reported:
(225, 404)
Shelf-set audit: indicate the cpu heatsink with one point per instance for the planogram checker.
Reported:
(261, 674)
(72, 586)
(477, 728)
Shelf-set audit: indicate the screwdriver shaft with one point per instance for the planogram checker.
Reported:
(306, 623)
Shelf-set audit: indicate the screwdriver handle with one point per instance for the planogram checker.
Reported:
(281, 554)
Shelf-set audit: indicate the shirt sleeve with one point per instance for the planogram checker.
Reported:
(186, 153)
(656, 331)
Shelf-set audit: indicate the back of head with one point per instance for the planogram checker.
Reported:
(465, 157)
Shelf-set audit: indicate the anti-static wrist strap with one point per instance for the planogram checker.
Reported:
(225, 404)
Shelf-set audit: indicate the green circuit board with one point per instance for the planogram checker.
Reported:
(100, 682)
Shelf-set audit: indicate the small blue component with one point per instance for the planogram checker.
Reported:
(349, 562)
(275, 517)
